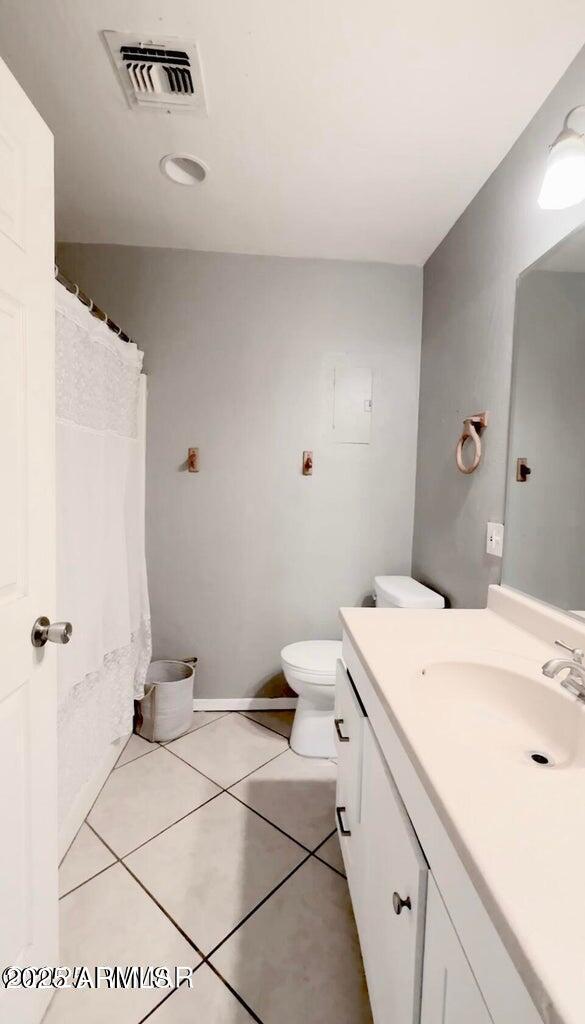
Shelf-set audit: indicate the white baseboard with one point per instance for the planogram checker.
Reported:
(85, 798)
(245, 704)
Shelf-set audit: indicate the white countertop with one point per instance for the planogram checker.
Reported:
(519, 829)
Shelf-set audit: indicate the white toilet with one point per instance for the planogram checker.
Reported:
(309, 668)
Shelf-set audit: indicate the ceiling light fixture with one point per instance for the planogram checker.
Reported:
(564, 179)
(183, 169)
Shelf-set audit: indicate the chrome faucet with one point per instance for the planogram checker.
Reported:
(574, 681)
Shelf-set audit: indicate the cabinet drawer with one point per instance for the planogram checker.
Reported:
(391, 912)
(349, 720)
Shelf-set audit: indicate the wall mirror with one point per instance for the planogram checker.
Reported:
(544, 550)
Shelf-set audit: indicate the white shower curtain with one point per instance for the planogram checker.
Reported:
(101, 567)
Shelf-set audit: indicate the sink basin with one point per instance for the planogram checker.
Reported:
(492, 709)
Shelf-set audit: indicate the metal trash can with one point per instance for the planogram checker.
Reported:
(167, 706)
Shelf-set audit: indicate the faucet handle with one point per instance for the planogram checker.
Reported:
(577, 652)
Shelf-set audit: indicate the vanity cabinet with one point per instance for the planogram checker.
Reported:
(431, 953)
(450, 993)
(393, 894)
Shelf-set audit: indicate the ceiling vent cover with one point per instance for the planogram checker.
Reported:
(158, 74)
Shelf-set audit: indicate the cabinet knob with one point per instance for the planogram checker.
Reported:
(399, 904)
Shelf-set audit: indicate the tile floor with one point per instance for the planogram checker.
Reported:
(216, 851)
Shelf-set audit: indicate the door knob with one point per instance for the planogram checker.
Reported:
(399, 904)
(56, 632)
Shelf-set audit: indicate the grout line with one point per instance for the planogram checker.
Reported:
(323, 841)
(113, 852)
(196, 728)
(188, 763)
(165, 912)
(164, 1000)
(321, 860)
(235, 993)
(172, 824)
(257, 769)
(327, 865)
(155, 747)
(86, 880)
(269, 822)
(248, 715)
(257, 907)
(168, 996)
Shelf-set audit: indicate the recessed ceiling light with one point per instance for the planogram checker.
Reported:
(183, 169)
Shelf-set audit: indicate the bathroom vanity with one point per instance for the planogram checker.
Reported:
(463, 852)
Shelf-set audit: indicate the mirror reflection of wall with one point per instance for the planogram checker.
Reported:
(545, 515)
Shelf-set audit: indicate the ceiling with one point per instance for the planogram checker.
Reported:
(351, 129)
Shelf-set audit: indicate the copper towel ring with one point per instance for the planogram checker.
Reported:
(472, 428)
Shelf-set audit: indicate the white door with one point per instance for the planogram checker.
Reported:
(450, 992)
(28, 756)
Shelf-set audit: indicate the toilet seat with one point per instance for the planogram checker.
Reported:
(313, 660)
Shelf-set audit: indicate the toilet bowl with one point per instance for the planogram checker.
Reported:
(309, 669)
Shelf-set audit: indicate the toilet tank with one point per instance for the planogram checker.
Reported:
(404, 592)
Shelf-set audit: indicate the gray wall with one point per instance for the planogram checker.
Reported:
(249, 555)
(469, 294)
(545, 518)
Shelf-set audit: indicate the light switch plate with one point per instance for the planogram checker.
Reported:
(495, 539)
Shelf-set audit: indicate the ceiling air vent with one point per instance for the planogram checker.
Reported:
(158, 74)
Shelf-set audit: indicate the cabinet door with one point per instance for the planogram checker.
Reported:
(450, 994)
(349, 719)
(391, 913)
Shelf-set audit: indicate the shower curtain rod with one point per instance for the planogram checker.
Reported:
(86, 301)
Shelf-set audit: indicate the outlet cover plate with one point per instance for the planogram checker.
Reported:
(495, 539)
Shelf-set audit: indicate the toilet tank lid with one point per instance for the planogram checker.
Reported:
(404, 592)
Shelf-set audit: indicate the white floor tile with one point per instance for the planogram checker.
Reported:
(111, 920)
(135, 747)
(208, 1002)
(209, 870)
(330, 852)
(280, 721)
(228, 749)
(144, 797)
(297, 958)
(85, 857)
(296, 793)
